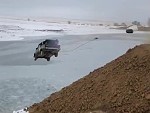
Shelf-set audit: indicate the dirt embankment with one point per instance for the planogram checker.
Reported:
(121, 86)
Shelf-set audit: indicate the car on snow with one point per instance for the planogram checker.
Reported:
(47, 49)
(129, 31)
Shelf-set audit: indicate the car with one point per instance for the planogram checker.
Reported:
(47, 49)
(129, 31)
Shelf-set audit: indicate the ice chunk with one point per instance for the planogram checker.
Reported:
(25, 110)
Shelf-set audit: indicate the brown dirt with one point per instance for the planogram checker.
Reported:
(143, 28)
(121, 86)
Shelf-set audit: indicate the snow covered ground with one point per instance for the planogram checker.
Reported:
(24, 81)
(16, 29)
(25, 110)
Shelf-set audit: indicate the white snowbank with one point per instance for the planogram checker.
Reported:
(16, 29)
(134, 27)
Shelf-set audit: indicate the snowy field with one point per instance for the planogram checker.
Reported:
(24, 81)
(13, 29)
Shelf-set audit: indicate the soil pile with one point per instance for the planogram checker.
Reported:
(121, 86)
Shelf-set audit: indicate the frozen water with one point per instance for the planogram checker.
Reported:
(19, 92)
(24, 81)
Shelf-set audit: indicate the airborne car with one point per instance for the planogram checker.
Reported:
(47, 49)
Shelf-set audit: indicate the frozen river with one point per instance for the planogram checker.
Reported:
(24, 81)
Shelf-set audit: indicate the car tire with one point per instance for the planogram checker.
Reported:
(56, 54)
(35, 59)
(48, 59)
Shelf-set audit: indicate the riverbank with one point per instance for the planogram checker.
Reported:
(121, 86)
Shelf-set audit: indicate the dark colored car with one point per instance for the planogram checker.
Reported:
(47, 49)
(129, 31)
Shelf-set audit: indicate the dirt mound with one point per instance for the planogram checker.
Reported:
(121, 86)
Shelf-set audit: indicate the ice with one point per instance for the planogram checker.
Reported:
(83, 49)
(24, 81)
(16, 93)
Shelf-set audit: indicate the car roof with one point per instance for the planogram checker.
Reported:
(50, 39)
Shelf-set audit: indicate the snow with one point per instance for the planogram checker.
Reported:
(21, 111)
(11, 30)
(17, 29)
(134, 27)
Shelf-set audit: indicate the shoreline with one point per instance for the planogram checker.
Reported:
(22, 38)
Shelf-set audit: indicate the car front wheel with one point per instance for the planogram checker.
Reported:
(48, 59)
(56, 54)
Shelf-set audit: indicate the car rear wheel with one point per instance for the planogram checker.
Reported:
(35, 58)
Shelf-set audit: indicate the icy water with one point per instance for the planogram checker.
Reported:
(24, 81)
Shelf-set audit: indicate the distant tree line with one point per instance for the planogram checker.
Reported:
(133, 23)
(136, 23)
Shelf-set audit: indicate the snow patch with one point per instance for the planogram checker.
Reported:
(16, 29)
(25, 110)
(134, 27)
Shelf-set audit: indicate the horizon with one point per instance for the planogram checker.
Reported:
(98, 10)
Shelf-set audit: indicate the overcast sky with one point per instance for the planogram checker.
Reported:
(115, 10)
